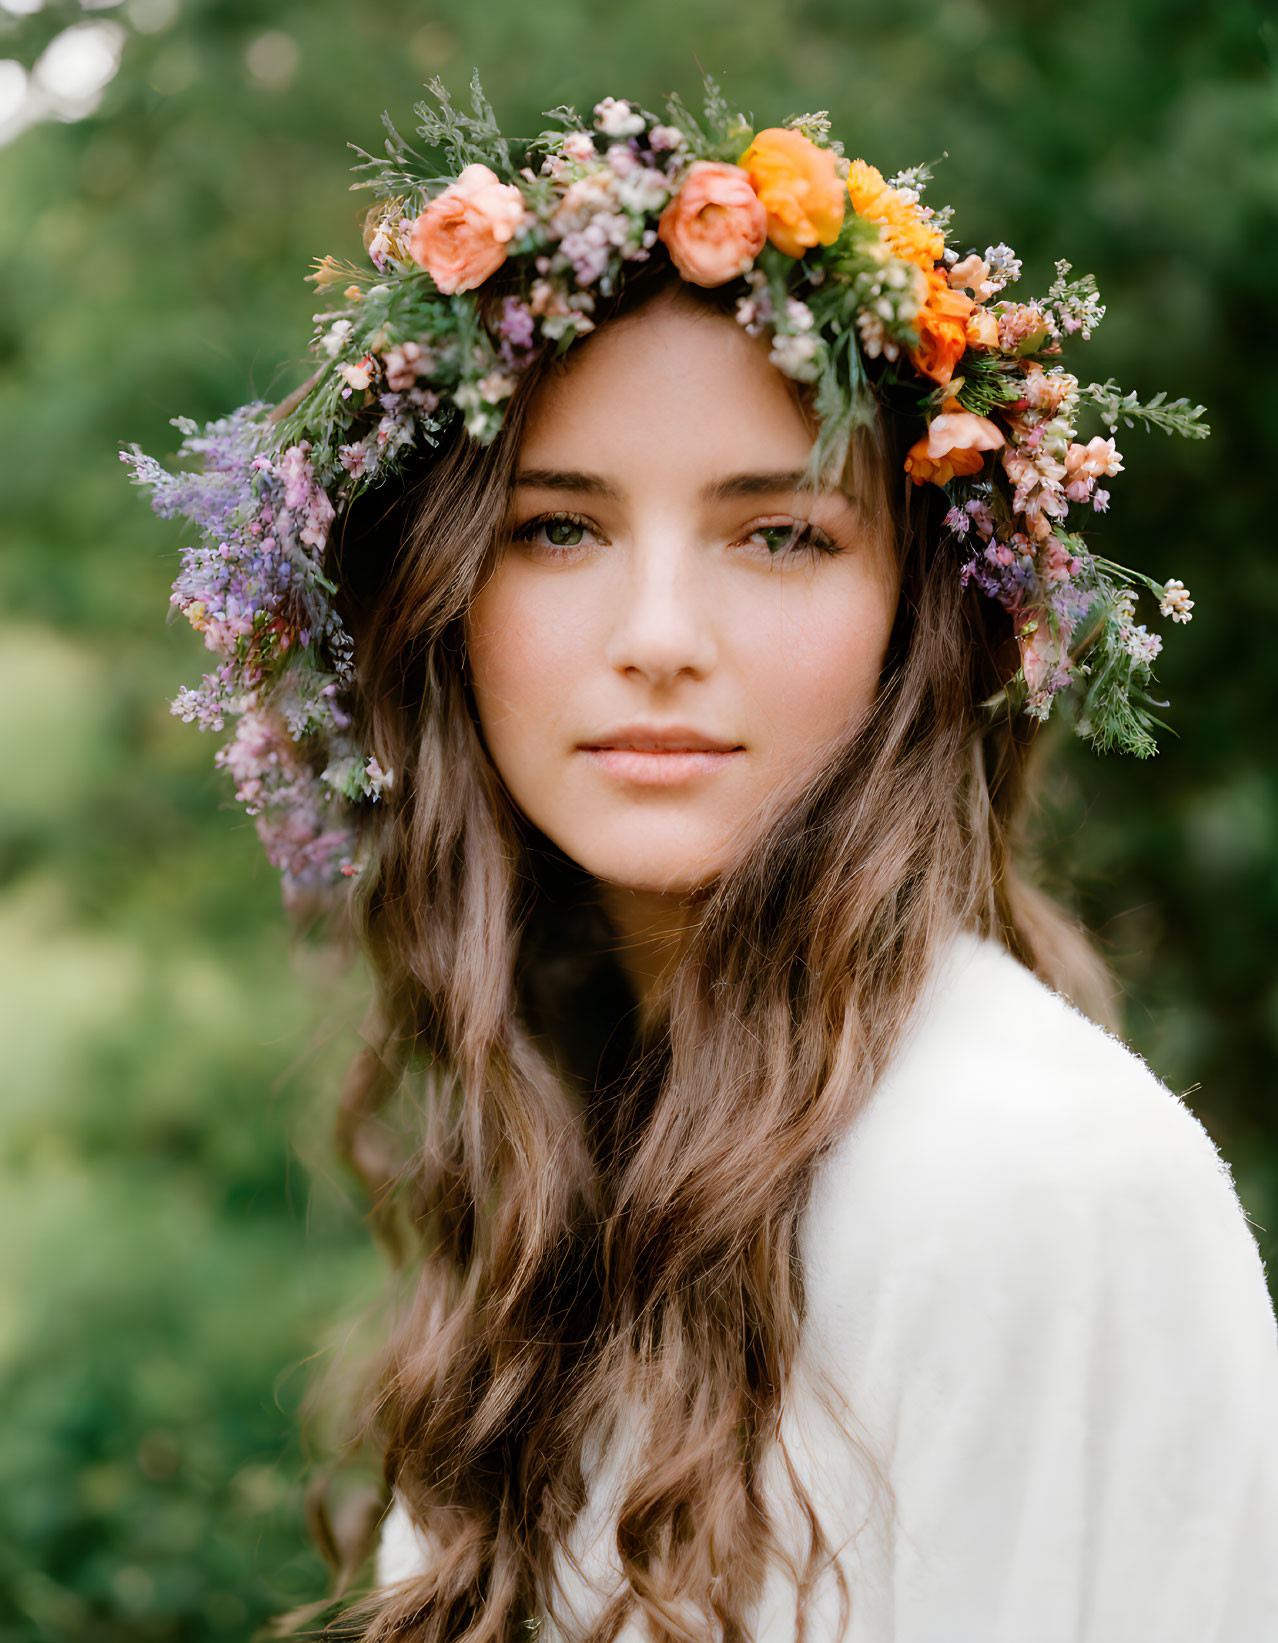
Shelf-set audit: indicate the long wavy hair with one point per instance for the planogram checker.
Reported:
(595, 1212)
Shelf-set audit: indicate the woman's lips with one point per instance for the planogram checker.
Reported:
(659, 767)
(659, 757)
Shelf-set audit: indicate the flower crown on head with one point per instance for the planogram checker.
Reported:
(480, 263)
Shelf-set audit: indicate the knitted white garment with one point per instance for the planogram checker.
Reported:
(1033, 1293)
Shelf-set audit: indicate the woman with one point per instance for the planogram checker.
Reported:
(789, 1257)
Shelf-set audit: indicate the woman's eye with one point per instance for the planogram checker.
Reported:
(794, 536)
(554, 532)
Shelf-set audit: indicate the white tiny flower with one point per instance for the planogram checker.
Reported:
(643, 190)
(799, 314)
(874, 338)
(796, 356)
(1176, 602)
(666, 137)
(376, 780)
(1141, 645)
(578, 146)
(335, 337)
(496, 385)
(617, 119)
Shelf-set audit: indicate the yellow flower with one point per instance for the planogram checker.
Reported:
(799, 186)
(907, 233)
(866, 189)
(327, 272)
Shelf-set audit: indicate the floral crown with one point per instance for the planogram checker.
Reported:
(479, 264)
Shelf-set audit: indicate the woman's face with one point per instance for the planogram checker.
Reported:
(673, 636)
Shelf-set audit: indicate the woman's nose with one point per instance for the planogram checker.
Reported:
(663, 624)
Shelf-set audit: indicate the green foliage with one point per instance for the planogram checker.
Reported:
(720, 133)
(466, 139)
(987, 382)
(179, 1242)
(1177, 416)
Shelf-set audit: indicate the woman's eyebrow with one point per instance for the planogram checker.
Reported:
(562, 479)
(719, 490)
(753, 484)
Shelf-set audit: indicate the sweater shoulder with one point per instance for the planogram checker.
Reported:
(1006, 1106)
(995, 1056)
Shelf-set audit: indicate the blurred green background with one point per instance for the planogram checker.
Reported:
(181, 1252)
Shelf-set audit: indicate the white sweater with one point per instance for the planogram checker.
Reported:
(1032, 1289)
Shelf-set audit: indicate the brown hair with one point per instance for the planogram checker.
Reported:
(597, 1215)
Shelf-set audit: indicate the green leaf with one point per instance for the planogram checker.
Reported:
(1176, 416)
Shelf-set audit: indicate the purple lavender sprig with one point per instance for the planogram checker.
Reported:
(253, 585)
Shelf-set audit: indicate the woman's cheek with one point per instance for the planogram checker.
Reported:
(818, 664)
(525, 639)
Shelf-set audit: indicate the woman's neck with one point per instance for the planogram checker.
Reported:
(650, 929)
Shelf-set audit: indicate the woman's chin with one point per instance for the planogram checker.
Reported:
(654, 867)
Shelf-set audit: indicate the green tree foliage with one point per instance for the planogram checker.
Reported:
(179, 1244)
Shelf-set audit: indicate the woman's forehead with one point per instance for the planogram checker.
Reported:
(667, 390)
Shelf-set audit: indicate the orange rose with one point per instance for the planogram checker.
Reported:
(799, 186)
(955, 443)
(942, 327)
(461, 237)
(907, 233)
(716, 224)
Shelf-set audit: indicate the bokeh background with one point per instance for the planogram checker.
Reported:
(181, 1256)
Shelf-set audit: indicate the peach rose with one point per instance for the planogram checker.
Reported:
(942, 327)
(715, 226)
(800, 189)
(955, 443)
(461, 237)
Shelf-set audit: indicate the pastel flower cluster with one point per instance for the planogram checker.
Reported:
(478, 263)
(253, 587)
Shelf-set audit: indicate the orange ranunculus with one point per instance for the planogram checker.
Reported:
(942, 327)
(716, 224)
(460, 238)
(955, 443)
(799, 186)
(907, 233)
